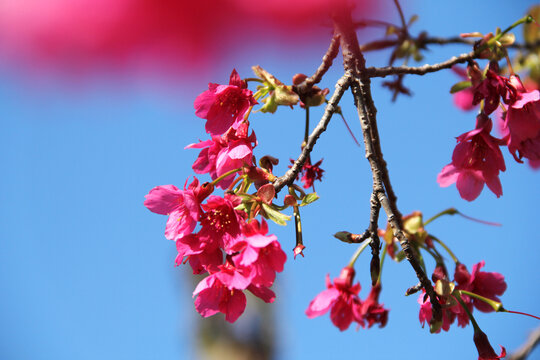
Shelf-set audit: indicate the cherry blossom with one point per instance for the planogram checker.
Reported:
(224, 106)
(487, 284)
(224, 153)
(260, 252)
(182, 206)
(522, 123)
(371, 310)
(477, 160)
(341, 298)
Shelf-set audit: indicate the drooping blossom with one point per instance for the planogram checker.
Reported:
(426, 312)
(522, 123)
(203, 255)
(492, 88)
(260, 252)
(224, 153)
(490, 285)
(310, 172)
(182, 206)
(476, 160)
(341, 298)
(222, 292)
(485, 350)
(224, 106)
(371, 310)
(463, 99)
(220, 223)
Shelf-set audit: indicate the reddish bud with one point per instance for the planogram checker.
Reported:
(485, 350)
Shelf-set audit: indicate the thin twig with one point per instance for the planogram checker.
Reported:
(331, 107)
(420, 70)
(327, 61)
(422, 41)
(375, 243)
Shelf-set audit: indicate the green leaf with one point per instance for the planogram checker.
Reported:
(462, 85)
(275, 216)
(309, 198)
(400, 256)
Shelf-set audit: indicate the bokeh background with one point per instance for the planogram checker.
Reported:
(86, 273)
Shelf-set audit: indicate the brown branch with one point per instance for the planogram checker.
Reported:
(523, 352)
(423, 40)
(420, 70)
(327, 61)
(354, 64)
(375, 243)
(331, 107)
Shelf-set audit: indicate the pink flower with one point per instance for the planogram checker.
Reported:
(341, 298)
(182, 206)
(224, 153)
(463, 99)
(222, 292)
(310, 172)
(220, 224)
(426, 312)
(522, 123)
(259, 252)
(203, 255)
(485, 350)
(487, 284)
(371, 310)
(492, 88)
(477, 160)
(224, 106)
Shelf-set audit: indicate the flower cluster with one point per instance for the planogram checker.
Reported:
(489, 285)
(341, 298)
(213, 233)
(477, 158)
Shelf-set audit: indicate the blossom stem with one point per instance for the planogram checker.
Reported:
(520, 313)
(453, 211)
(450, 211)
(298, 227)
(523, 20)
(358, 252)
(440, 242)
(383, 256)
(225, 175)
(254, 80)
(497, 306)
(233, 184)
(306, 132)
(509, 63)
(471, 317)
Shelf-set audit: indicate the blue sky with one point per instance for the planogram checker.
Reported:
(86, 273)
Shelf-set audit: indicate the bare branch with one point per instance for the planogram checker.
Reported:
(354, 64)
(420, 70)
(327, 61)
(331, 107)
